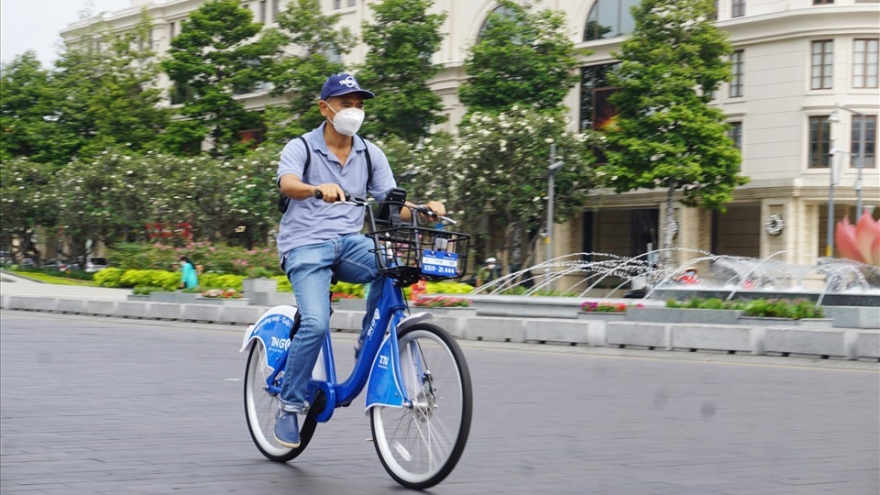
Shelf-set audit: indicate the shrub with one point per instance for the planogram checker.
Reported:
(784, 308)
(220, 281)
(109, 277)
(352, 290)
(156, 278)
(710, 303)
(448, 288)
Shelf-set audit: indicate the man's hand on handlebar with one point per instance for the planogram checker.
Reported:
(330, 193)
(437, 208)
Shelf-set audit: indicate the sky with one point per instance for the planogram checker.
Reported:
(35, 24)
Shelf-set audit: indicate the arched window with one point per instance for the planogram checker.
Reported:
(609, 19)
(501, 10)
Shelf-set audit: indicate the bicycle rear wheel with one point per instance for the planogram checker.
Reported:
(419, 445)
(260, 408)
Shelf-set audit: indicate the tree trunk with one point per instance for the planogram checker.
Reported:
(667, 225)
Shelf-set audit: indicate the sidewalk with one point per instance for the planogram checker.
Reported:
(14, 285)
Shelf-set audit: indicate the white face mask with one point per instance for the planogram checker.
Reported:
(347, 121)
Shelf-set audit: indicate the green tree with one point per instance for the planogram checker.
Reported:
(107, 81)
(219, 52)
(501, 170)
(316, 44)
(27, 105)
(667, 133)
(102, 199)
(522, 58)
(402, 41)
(27, 202)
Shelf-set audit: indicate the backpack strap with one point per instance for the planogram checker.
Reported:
(369, 165)
(284, 201)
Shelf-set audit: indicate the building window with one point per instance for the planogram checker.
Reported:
(263, 11)
(823, 2)
(738, 9)
(610, 18)
(352, 3)
(865, 63)
(870, 140)
(274, 10)
(171, 32)
(736, 68)
(713, 16)
(867, 1)
(337, 4)
(820, 141)
(736, 134)
(822, 63)
(594, 77)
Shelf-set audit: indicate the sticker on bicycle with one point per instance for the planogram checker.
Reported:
(439, 263)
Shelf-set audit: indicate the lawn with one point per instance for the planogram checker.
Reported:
(51, 279)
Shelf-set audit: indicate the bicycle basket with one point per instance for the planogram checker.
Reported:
(409, 253)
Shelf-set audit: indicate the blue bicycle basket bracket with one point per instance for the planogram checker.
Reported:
(273, 330)
(383, 388)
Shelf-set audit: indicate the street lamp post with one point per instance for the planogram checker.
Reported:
(835, 118)
(829, 236)
(552, 168)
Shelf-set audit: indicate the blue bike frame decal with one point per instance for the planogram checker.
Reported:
(384, 388)
(273, 330)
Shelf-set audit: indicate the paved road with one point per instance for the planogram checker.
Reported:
(108, 406)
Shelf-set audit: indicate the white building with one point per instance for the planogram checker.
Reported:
(794, 61)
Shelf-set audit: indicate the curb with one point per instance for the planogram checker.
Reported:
(850, 343)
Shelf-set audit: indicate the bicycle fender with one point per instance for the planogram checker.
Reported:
(273, 330)
(383, 387)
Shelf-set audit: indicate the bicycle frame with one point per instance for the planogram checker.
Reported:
(377, 366)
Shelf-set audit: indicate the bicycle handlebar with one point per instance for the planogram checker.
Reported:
(351, 200)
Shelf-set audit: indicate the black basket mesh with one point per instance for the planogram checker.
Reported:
(410, 253)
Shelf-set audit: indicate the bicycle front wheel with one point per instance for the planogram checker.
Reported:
(260, 408)
(420, 443)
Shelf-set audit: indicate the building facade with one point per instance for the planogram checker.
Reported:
(795, 62)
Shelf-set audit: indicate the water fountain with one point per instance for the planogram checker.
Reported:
(847, 283)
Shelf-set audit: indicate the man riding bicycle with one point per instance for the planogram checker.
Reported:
(317, 240)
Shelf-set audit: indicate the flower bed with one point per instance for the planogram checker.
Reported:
(602, 307)
(221, 294)
(442, 302)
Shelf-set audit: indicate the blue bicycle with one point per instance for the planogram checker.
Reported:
(418, 387)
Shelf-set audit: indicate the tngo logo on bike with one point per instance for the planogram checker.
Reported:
(277, 343)
(373, 322)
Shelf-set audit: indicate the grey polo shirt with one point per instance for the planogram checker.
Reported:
(312, 221)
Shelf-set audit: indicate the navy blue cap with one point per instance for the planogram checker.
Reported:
(343, 84)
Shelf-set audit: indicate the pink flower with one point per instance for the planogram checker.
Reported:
(859, 242)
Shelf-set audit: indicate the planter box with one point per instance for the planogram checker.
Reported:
(353, 304)
(458, 312)
(599, 316)
(174, 297)
(731, 338)
(816, 322)
(767, 321)
(821, 342)
(219, 301)
(254, 285)
(684, 315)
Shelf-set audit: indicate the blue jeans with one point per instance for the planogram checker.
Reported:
(309, 269)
